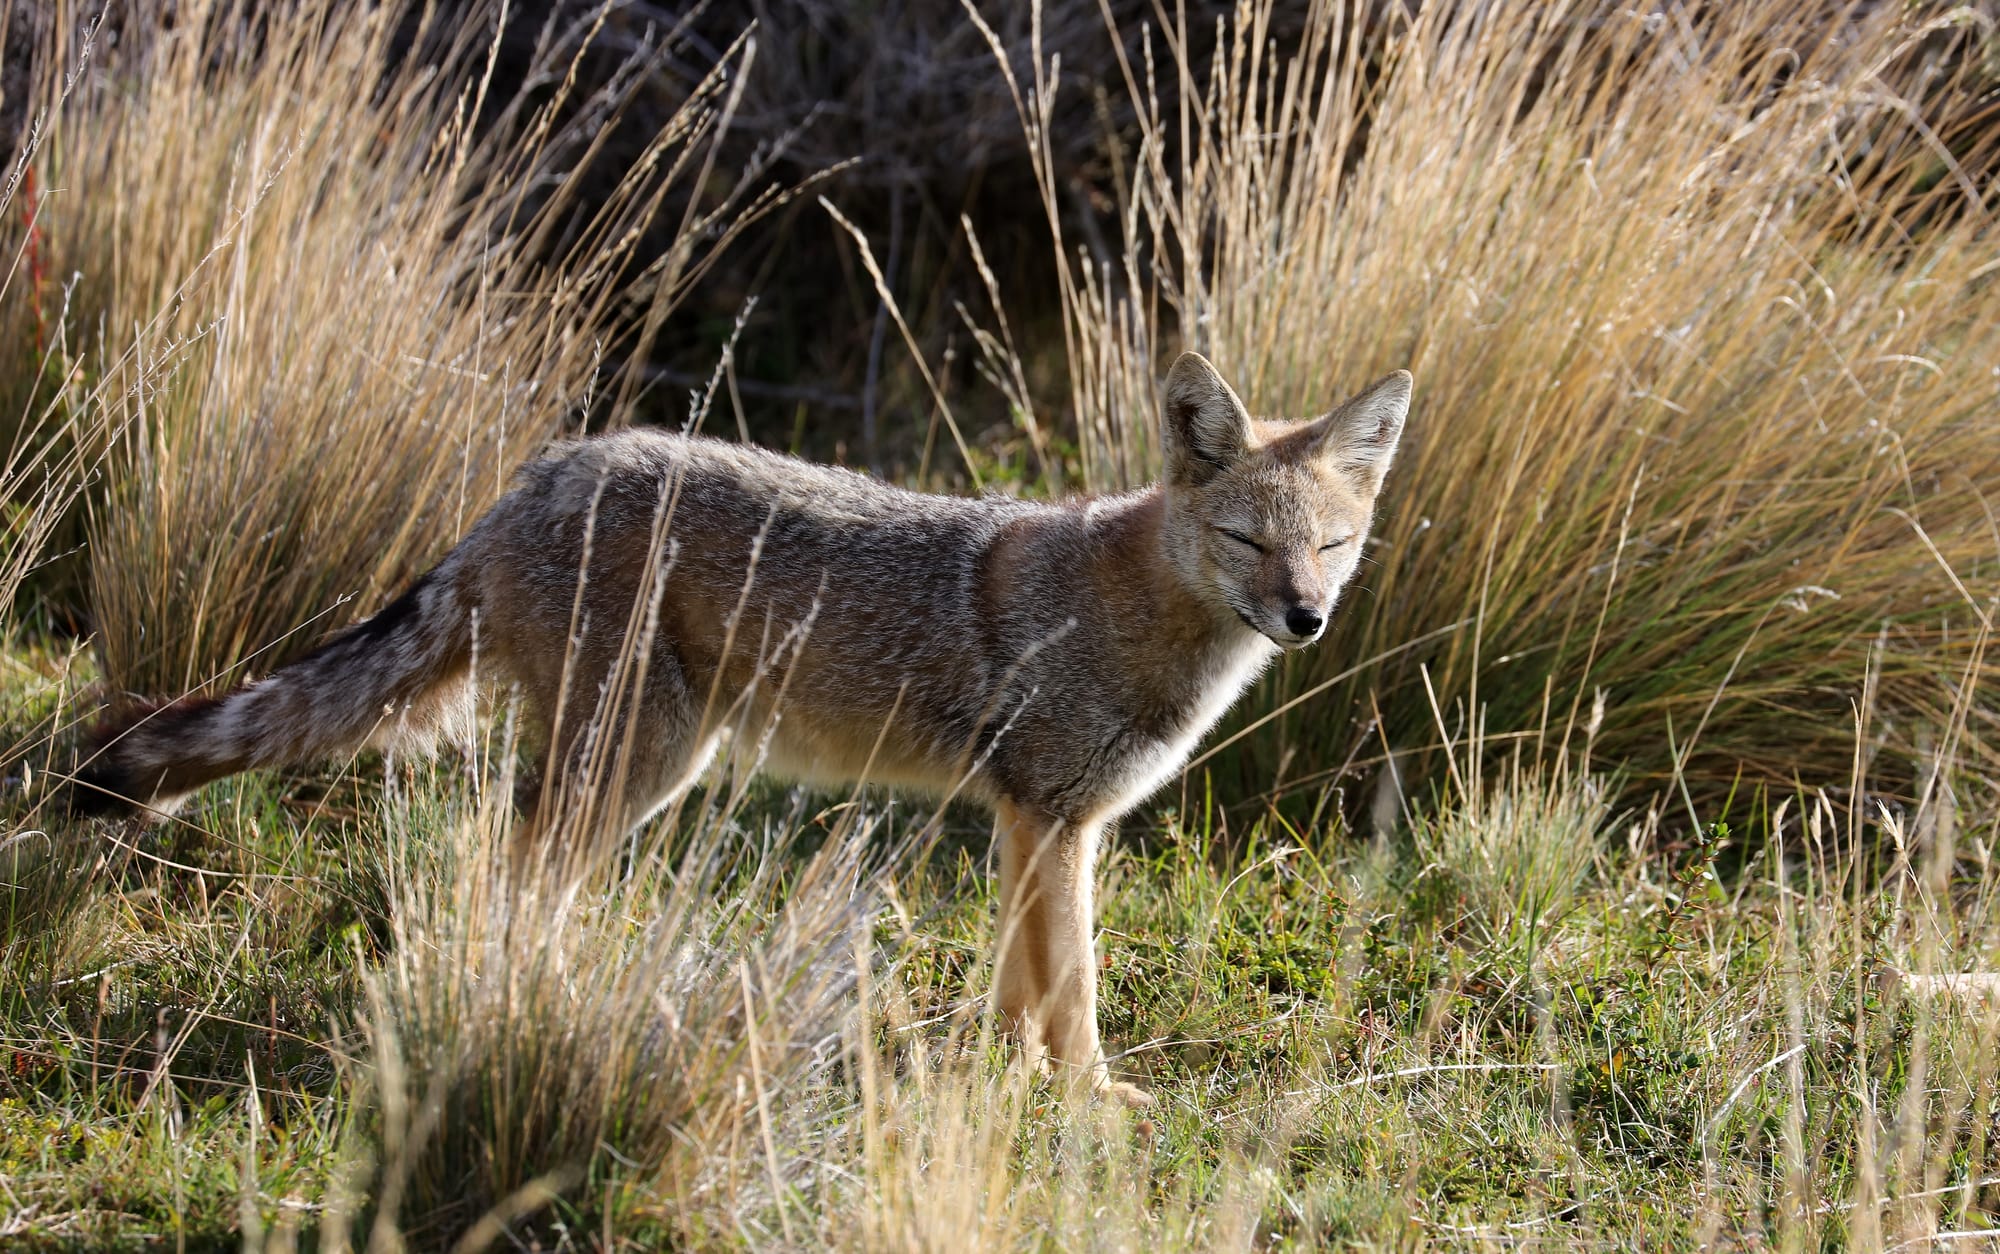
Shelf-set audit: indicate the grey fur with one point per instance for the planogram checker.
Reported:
(1056, 661)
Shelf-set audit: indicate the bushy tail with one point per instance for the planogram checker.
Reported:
(401, 675)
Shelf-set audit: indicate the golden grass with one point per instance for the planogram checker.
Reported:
(51, 425)
(663, 1005)
(337, 297)
(1703, 317)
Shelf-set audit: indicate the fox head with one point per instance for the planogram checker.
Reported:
(1265, 520)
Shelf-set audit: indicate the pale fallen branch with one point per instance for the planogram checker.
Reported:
(1433, 1069)
(1743, 1085)
(1964, 986)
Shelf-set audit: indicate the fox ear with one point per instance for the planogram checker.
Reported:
(1205, 427)
(1364, 431)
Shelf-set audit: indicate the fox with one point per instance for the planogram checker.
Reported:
(1054, 661)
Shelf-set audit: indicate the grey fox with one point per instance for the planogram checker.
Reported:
(1057, 662)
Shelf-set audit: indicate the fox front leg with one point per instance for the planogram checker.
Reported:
(1046, 970)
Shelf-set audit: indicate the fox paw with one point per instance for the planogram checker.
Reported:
(1131, 1096)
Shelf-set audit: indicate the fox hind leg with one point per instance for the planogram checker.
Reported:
(609, 772)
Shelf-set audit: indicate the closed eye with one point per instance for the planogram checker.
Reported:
(1332, 545)
(1240, 538)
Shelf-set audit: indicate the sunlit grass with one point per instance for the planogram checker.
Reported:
(1639, 917)
(337, 286)
(1702, 316)
(330, 1007)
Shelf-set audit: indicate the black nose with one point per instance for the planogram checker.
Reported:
(1304, 620)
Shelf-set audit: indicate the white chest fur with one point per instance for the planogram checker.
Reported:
(1223, 680)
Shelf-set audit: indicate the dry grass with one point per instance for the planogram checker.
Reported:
(637, 1024)
(52, 426)
(1702, 312)
(335, 294)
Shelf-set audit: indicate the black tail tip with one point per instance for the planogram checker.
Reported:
(99, 790)
(100, 785)
(104, 783)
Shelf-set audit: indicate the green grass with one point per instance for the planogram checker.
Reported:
(1506, 1019)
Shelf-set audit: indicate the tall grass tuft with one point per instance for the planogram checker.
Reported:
(1703, 315)
(1514, 844)
(49, 424)
(590, 1024)
(339, 284)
